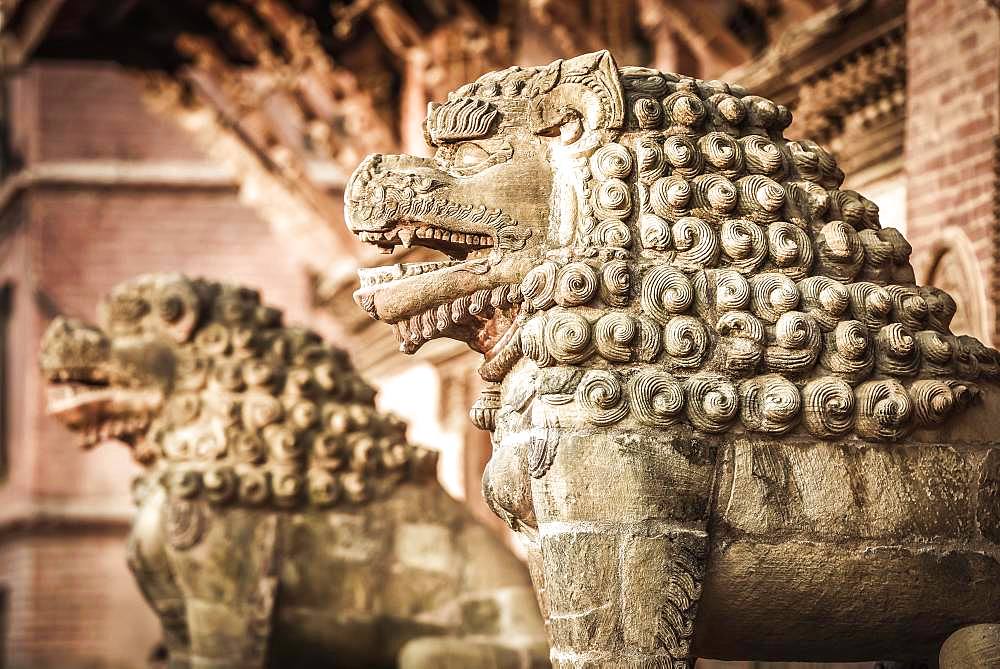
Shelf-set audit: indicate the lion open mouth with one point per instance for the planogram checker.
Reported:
(388, 210)
(457, 245)
(479, 318)
(86, 402)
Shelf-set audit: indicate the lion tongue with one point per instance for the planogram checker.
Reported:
(405, 236)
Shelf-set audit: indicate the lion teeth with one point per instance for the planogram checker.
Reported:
(386, 273)
(500, 297)
(412, 332)
(406, 232)
(480, 300)
(428, 320)
(443, 320)
(415, 328)
(460, 310)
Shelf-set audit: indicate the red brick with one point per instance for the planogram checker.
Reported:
(73, 602)
(975, 126)
(953, 50)
(107, 102)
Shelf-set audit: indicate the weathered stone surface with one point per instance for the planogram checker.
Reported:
(723, 411)
(583, 599)
(283, 521)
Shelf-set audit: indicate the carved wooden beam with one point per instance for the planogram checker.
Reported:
(816, 44)
(334, 107)
(568, 30)
(715, 47)
(18, 43)
(274, 185)
(875, 74)
(226, 106)
(843, 74)
(397, 29)
(432, 62)
(783, 15)
(404, 39)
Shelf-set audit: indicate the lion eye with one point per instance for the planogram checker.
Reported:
(469, 154)
(171, 308)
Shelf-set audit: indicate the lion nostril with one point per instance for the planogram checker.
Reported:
(362, 177)
(359, 183)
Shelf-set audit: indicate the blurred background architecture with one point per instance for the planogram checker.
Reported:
(215, 138)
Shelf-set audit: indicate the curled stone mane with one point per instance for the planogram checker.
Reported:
(461, 118)
(724, 417)
(282, 520)
(718, 275)
(262, 413)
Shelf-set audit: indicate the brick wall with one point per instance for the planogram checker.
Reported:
(87, 241)
(72, 602)
(953, 49)
(22, 402)
(90, 110)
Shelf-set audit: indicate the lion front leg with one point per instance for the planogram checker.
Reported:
(149, 563)
(622, 595)
(622, 524)
(462, 653)
(226, 563)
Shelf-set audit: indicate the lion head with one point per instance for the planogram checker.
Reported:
(221, 400)
(499, 193)
(649, 247)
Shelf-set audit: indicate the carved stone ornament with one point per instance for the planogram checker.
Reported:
(726, 421)
(283, 520)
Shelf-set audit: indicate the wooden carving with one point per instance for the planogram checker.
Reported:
(724, 417)
(283, 521)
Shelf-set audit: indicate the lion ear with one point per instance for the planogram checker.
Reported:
(177, 307)
(588, 88)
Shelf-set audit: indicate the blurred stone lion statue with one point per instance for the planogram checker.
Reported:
(283, 521)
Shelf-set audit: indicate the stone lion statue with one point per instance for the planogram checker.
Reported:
(283, 521)
(724, 417)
